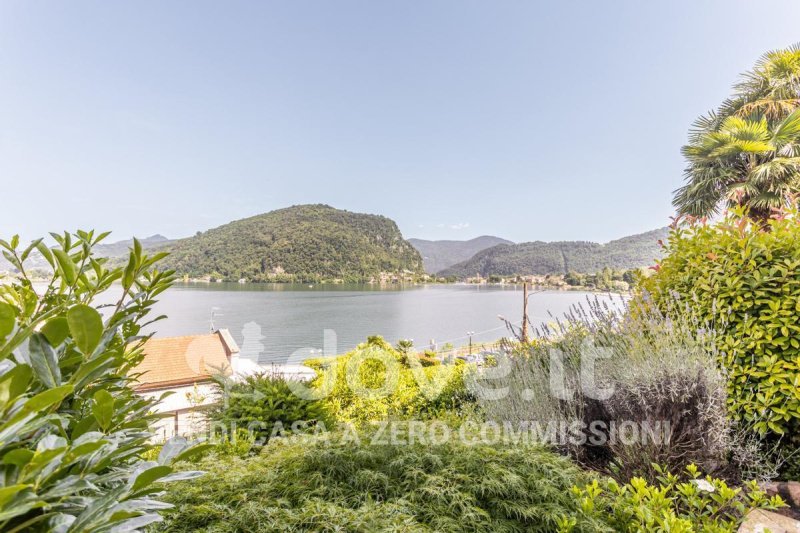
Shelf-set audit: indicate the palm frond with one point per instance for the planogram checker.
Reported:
(747, 151)
(774, 171)
(788, 129)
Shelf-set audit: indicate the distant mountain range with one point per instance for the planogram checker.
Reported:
(541, 258)
(112, 250)
(318, 242)
(438, 255)
(120, 248)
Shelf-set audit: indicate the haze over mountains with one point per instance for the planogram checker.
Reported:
(438, 255)
(542, 258)
(318, 242)
(120, 248)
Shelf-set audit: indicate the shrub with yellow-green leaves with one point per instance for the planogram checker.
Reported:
(376, 382)
(742, 279)
(699, 504)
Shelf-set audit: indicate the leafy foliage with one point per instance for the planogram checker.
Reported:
(317, 485)
(239, 443)
(748, 152)
(300, 243)
(541, 258)
(376, 382)
(72, 430)
(745, 283)
(313, 484)
(704, 505)
(265, 405)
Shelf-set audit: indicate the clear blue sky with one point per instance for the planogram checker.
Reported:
(526, 120)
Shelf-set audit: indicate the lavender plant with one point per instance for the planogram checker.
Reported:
(633, 387)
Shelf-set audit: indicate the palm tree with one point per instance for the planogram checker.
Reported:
(742, 162)
(748, 151)
(771, 89)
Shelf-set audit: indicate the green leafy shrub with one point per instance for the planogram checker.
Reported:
(698, 505)
(429, 358)
(265, 405)
(310, 484)
(151, 453)
(376, 382)
(240, 443)
(742, 279)
(72, 430)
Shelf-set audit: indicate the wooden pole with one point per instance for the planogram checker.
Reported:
(525, 312)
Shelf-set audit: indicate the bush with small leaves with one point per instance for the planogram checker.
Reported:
(639, 387)
(742, 278)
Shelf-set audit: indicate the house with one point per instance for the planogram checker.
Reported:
(185, 367)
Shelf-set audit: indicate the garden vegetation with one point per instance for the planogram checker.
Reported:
(709, 345)
(378, 382)
(324, 484)
(742, 278)
(73, 431)
(264, 405)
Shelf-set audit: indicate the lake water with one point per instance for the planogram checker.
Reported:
(293, 318)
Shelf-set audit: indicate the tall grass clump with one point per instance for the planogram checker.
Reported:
(633, 388)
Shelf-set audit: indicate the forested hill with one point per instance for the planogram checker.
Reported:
(299, 243)
(438, 255)
(541, 258)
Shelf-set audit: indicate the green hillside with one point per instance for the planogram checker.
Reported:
(299, 243)
(541, 258)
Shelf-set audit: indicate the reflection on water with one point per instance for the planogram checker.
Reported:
(293, 317)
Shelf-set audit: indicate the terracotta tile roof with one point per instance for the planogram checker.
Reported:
(175, 361)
